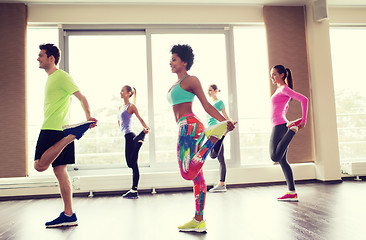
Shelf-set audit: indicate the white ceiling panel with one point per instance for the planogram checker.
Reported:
(214, 2)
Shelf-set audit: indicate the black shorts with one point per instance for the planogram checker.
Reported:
(48, 138)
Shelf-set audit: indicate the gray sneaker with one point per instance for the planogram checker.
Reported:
(218, 188)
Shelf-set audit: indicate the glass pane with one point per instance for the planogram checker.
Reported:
(36, 79)
(350, 92)
(101, 65)
(252, 79)
(209, 66)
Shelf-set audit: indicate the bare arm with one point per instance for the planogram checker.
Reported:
(136, 112)
(225, 114)
(85, 105)
(198, 91)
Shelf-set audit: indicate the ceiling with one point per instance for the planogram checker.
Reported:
(214, 2)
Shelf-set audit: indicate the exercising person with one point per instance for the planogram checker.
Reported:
(218, 150)
(133, 143)
(192, 150)
(283, 131)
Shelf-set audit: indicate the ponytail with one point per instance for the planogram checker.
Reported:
(288, 79)
(134, 95)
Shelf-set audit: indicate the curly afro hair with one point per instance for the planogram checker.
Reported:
(185, 53)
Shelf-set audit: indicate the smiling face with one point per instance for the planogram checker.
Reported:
(124, 93)
(276, 78)
(44, 61)
(176, 64)
(211, 92)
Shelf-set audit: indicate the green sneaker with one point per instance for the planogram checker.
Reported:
(193, 226)
(217, 130)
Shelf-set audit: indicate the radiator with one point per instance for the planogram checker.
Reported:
(28, 186)
(48, 185)
(20, 185)
(123, 182)
(354, 168)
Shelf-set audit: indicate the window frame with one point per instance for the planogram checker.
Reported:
(149, 30)
(339, 115)
(228, 30)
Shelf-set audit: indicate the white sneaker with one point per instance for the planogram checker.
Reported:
(218, 188)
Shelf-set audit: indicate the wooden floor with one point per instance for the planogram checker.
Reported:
(325, 211)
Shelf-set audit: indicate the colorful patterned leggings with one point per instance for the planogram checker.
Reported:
(192, 154)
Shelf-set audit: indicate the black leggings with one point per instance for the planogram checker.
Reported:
(132, 148)
(218, 152)
(280, 139)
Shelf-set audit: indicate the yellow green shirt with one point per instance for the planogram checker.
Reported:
(58, 90)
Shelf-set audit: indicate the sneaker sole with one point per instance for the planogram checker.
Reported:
(288, 200)
(295, 128)
(217, 191)
(76, 125)
(69, 224)
(194, 230)
(291, 122)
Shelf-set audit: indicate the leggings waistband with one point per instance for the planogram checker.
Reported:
(185, 116)
(188, 119)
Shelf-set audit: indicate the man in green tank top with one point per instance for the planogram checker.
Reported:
(55, 143)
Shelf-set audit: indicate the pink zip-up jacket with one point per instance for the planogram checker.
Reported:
(280, 102)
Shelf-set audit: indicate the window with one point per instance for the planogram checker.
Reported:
(36, 79)
(252, 79)
(348, 53)
(101, 65)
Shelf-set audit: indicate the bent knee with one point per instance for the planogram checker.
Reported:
(132, 165)
(187, 176)
(274, 158)
(39, 167)
(213, 155)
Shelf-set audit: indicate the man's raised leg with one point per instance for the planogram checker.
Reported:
(52, 153)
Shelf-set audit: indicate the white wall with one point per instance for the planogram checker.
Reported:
(140, 14)
(349, 15)
(325, 125)
(323, 99)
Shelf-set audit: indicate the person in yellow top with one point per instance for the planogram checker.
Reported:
(55, 143)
